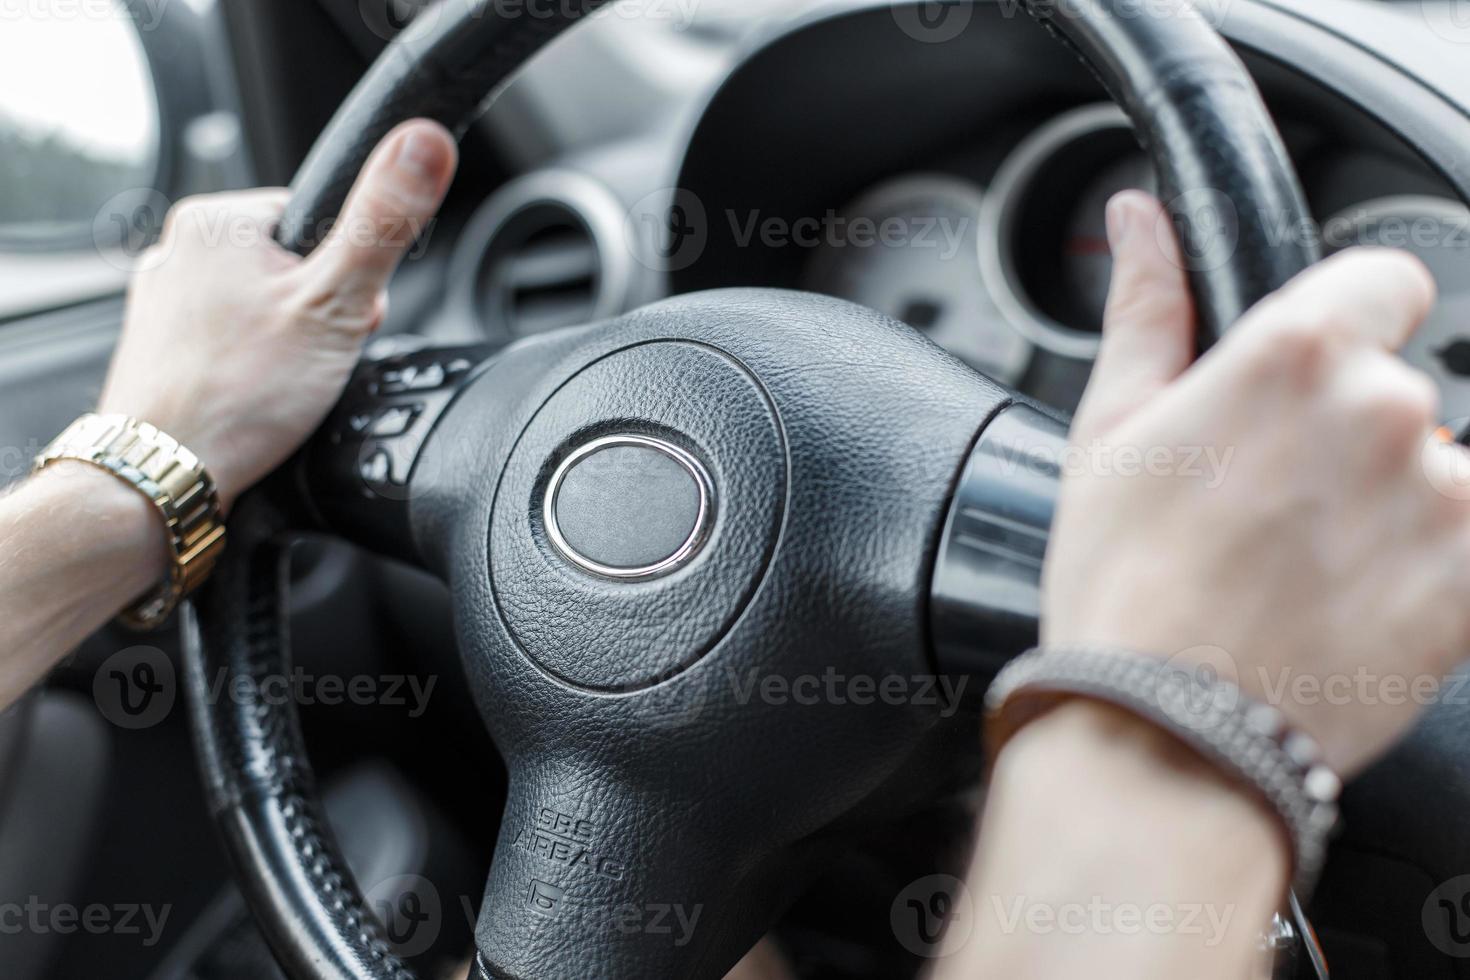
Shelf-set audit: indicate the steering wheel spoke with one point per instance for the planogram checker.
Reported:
(594, 877)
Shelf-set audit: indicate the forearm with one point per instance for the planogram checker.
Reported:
(1109, 851)
(76, 547)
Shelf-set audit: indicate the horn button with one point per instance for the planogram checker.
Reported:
(629, 507)
(638, 515)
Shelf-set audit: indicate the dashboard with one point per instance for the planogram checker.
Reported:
(958, 187)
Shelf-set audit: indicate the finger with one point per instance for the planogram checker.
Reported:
(1374, 296)
(395, 197)
(1390, 407)
(265, 204)
(1148, 328)
(214, 215)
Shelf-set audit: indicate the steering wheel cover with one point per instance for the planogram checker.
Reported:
(1224, 173)
(259, 785)
(1201, 120)
(448, 65)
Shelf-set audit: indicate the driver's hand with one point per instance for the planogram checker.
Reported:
(238, 348)
(1313, 548)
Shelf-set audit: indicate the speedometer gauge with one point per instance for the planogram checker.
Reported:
(1437, 230)
(907, 248)
(1043, 244)
(1087, 261)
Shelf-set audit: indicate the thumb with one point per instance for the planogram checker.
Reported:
(396, 196)
(1148, 328)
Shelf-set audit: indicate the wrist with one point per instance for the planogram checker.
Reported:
(1097, 760)
(171, 479)
(89, 545)
(109, 516)
(1109, 850)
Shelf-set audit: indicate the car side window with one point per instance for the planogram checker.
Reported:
(79, 126)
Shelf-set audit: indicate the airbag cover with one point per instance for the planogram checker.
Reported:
(605, 634)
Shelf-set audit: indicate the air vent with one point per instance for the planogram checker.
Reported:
(541, 273)
(544, 252)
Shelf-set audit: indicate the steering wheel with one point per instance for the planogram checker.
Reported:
(694, 551)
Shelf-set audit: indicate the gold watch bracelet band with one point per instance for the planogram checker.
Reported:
(174, 480)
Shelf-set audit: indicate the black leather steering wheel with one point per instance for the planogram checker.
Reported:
(644, 522)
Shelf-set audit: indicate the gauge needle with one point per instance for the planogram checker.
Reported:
(1447, 436)
(1088, 245)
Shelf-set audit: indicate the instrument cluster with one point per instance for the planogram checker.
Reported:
(1010, 271)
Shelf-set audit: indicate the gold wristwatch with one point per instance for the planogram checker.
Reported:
(174, 480)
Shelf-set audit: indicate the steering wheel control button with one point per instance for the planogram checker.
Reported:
(377, 468)
(629, 507)
(396, 421)
(430, 375)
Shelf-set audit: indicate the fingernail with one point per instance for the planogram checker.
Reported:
(418, 155)
(1120, 221)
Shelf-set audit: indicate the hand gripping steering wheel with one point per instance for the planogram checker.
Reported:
(647, 523)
